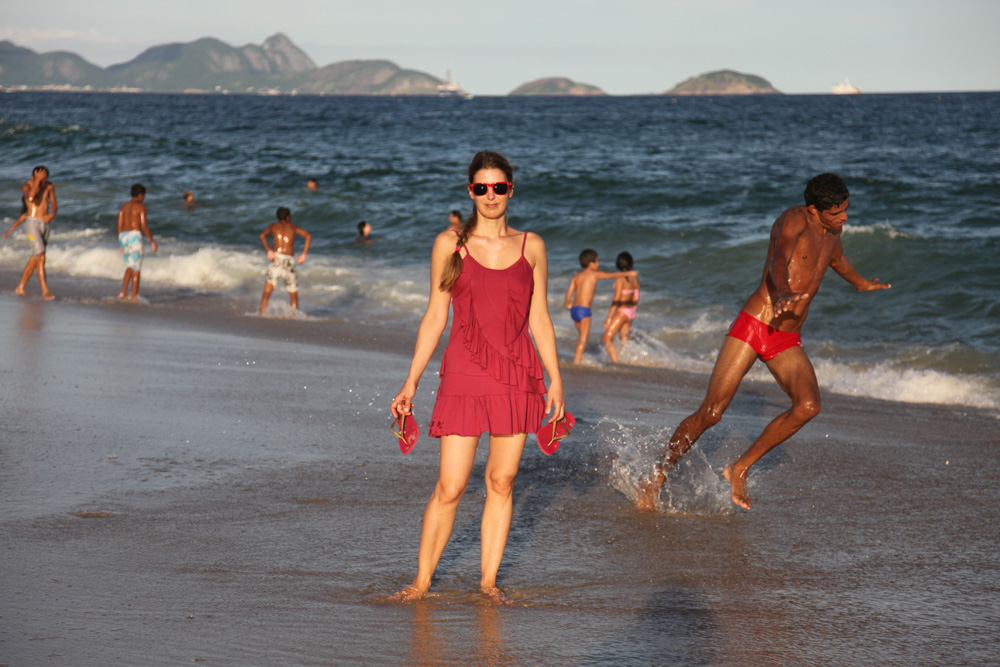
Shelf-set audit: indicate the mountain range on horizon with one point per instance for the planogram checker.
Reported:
(278, 66)
(210, 65)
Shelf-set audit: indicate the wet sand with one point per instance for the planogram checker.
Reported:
(186, 483)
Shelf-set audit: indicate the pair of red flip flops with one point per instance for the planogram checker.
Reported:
(406, 429)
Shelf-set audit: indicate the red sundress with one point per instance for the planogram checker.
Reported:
(491, 376)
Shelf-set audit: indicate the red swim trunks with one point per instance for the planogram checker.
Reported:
(765, 340)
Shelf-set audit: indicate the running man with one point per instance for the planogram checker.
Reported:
(39, 198)
(805, 240)
(131, 228)
(282, 257)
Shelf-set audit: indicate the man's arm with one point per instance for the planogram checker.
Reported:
(145, 227)
(790, 228)
(17, 222)
(263, 239)
(846, 270)
(55, 204)
(121, 218)
(308, 237)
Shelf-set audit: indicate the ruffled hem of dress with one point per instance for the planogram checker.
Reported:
(508, 369)
(498, 414)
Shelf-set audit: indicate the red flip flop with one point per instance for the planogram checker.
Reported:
(550, 434)
(406, 429)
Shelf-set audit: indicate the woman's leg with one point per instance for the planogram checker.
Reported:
(501, 469)
(457, 456)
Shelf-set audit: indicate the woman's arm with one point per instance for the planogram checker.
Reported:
(540, 325)
(431, 326)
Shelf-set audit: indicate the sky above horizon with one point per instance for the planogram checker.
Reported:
(624, 46)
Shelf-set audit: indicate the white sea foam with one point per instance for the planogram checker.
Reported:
(881, 227)
(907, 385)
(694, 487)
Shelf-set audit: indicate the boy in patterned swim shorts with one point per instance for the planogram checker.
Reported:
(282, 257)
(131, 228)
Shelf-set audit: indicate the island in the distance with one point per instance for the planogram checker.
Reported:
(724, 82)
(555, 85)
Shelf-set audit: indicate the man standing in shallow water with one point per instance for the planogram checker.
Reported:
(805, 240)
(131, 228)
(39, 196)
(282, 257)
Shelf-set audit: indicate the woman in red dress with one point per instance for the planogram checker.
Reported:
(495, 279)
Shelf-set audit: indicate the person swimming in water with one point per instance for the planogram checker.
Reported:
(805, 241)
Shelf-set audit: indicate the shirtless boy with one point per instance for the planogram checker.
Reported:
(584, 284)
(40, 201)
(282, 257)
(131, 228)
(805, 240)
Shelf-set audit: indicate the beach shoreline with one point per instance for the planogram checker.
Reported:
(185, 481)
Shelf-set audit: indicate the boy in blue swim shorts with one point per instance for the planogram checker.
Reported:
(580, 295)
(131, 228)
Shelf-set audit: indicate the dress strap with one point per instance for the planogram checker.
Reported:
(523, 242)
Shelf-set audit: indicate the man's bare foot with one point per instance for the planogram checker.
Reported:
(49, 297)
(739, 485)
(649, 491)
(19, 290)
(409, 594)
(496, 595)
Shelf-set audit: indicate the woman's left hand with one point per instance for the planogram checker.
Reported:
(555, 402)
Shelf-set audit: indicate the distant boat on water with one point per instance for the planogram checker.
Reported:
(842, 88)
(449, 88)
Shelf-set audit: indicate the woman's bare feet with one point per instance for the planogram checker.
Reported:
(496, 595)
(409, 594)
(19, 290)
(739, 484)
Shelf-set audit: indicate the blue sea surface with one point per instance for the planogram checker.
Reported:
(689, 186)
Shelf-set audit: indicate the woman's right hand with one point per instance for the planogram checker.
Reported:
(402, 402)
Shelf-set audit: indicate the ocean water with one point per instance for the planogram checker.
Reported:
(689, 186)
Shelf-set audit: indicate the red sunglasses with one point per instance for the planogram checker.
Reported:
(480, 189)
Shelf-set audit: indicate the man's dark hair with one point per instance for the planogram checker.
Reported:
(457, 214)
(138, 189)
(624, 262)
(587, 256)
(826, 191)
(361, 226)
(283, 213)
(39, 168)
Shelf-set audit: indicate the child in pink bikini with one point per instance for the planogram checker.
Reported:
(622, 312)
